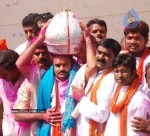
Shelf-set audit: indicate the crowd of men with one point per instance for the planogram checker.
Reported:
(101, 91)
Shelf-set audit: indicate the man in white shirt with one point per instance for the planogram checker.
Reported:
(93, 90)
(31, 30)
(128, 99)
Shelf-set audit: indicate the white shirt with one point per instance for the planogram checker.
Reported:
(138, 106)
(89, 110)
(21, 48)
(147, 60)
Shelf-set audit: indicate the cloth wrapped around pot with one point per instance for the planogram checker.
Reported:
(63, 35)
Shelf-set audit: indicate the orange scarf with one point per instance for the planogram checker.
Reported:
(140, 67)
(122, 106)
(93, 125)
(56, 130)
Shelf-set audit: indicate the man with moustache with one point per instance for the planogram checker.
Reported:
(52, 93)
(32, 63)
(42, 57)
(93, 87)
(52, 90)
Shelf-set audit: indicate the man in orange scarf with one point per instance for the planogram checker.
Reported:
(90, 86)
(136, 40)
(128, 100)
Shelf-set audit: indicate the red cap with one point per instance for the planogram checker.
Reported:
(3, 45)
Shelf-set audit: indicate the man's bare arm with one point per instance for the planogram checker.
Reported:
(90, 52)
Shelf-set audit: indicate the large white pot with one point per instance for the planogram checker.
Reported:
(63, 34)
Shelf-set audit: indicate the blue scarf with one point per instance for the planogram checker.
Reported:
(44, 100)
(68, 120)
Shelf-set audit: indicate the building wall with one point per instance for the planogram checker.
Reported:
(112, 11)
